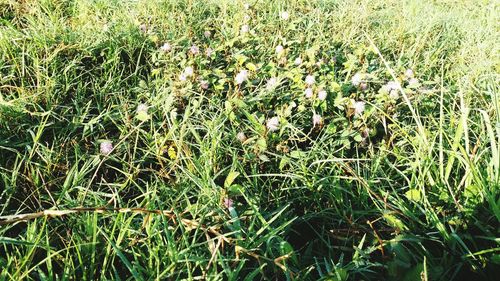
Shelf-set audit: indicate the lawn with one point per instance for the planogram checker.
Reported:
(259, 140)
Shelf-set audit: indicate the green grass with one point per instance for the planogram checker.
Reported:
(406, 189)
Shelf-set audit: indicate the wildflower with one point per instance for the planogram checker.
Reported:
(317, 120)
(308, 93)
(363, 86)
(320, 62)
(273, 124)
(241, 77)
(244, 29)
(285, 15)
(207, 33)
(241, 137)
(298, 61)
(143, 28)
(142, 107)
(228, 203)
(393, 88)
(322, 95)
(359, 107)
(272, 83)
(182, 77)
(188, 71)
(166, 47)
(247, 6)
(106, 147)
(279, 50)
(409, 73)
(209, 51)
(246, 18)
(310, 80)
(357, 79)
(194, 50)
(204, 84)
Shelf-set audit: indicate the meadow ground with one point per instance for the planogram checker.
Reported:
(224, 140)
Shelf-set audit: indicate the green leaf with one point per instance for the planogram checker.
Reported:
(413, 194)
(142, 116)
(230, 178)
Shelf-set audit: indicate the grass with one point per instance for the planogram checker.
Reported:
(402, 185)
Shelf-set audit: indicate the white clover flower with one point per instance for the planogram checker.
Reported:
(166, 47)
(285, 15)
(409, 73)
(246, 6)
(322, 95)
(246, 18)
(273, 124)
(272, 83)
(244, 29)
(241, 137)
(280, 50)
(298, 61)
(393, 85)
(359, 107)
(194, 50)
(182, 77)
(209, 51)
(308, 93)
(204, 84)
(188, 71)
(317, 120)
(106, 147)
(241, 77)
(357, 79)
(142, 107)
(207, 33)
(310, 80)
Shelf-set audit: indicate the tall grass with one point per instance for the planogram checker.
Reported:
(415, 198)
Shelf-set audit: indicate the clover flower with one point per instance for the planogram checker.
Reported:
(298, 61)
(166, 47)
(188, 71)
(280, 50)
(273, 124)
(241, 137)
(182, 77)
(209, 51)
(359, 107)
(308, 92)
(204, 84)
(241, 77)
(322, 95)
(228, 203)
(409, 73)
(285, 15)
(272, 83)
(194, 50)
(310, 80)
(246, 6)
(106, 147)
(244, 29)
(357, 79)
(207, 33)
(317, 120)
